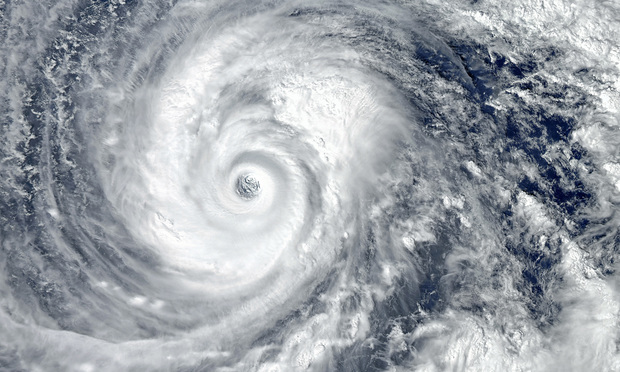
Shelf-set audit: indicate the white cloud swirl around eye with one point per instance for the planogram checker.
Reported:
(268, 97)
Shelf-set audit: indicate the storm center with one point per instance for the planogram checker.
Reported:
(248, 186)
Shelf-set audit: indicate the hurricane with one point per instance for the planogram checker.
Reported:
(286, 185)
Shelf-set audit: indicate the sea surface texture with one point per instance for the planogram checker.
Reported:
(309, 185)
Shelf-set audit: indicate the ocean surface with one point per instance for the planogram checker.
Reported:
(309, 185)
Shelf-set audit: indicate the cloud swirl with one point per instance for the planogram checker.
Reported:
(282, 186)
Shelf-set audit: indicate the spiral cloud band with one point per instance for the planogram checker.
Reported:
(324, 186)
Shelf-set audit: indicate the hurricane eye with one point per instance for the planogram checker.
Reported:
(248, 187)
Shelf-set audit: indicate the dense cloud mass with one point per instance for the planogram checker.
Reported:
(309, 185)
